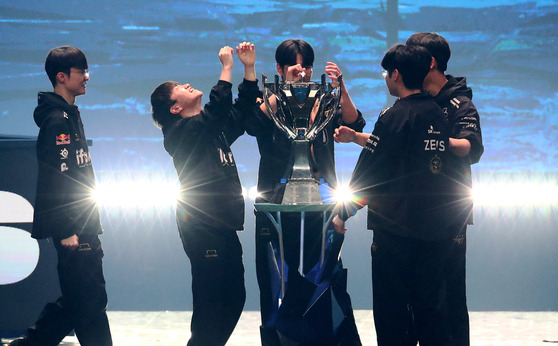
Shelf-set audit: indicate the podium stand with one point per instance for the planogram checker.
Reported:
(307, 279)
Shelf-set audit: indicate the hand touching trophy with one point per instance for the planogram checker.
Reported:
(301, 110)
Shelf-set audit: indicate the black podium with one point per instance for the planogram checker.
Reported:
(22, 301)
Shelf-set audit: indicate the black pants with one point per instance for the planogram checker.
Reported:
(407, 275)
(82, 306)
(454, 293)
(217, 283)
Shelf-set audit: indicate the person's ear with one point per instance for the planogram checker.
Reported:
(61, 77)
(433, 64)
(175, 109)
(395, 75)
(279, 70)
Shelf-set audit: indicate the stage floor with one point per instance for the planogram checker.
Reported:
(136, 328)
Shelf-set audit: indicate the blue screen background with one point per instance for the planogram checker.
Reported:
(507, 50)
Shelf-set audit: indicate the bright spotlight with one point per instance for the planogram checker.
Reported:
(253, 193)
(511, 194)
(343, 193)
(137, 193)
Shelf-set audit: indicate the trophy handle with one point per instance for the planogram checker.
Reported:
(281, 125)
(333, 94)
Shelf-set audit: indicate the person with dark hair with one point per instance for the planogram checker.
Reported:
(402, 176)
(210, 209)
(66, 211)
(294, 62)
(454, 96)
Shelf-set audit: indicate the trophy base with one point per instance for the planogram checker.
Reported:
(302, 192)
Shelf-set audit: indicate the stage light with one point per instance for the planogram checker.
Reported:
(515, 194)
(140, 193)
(253, 193)
(343, 193)
(145, 192)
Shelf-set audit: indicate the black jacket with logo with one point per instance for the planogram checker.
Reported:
(455, 100)
(403, 172)
(210, 190)
(64, 203)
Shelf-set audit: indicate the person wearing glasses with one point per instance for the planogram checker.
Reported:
(295, 62)
(404, 177)
(210, 209)
(65, 210)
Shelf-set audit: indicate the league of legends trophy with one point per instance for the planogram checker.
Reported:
(307, 280)
(302, 110)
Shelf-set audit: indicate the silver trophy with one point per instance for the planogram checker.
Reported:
(303, 109)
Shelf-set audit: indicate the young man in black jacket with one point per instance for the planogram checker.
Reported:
(210, 208)
(454, 97)
(402, 177)
(66, 211)
(294, 62)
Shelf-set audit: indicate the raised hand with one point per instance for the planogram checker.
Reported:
(246, 53)
(225, 56)
(294, 73)
(333, 72)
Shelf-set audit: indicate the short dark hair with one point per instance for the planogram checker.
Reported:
(436, 45)
(412, 62)
(161, 104)
(62, 59)
(287, 51)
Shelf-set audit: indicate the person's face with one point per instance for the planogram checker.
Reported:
(293, 73)
(185, 97)
(76, 81)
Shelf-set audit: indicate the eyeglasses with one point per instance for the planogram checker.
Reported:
(384, 73)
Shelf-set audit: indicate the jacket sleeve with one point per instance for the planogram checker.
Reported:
(358, 125)
(248, 93)
(367, 170)
(213, 117)
(467, 126)
(256, 122)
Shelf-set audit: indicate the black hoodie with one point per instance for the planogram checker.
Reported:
(64, 203)
(463, 119)
(210, 190)
(402, 171)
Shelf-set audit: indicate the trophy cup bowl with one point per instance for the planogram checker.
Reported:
(301, 110)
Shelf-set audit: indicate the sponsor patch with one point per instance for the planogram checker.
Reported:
(62, 139)
(211, 254)
(83, 158)
(435, 165)
(431, 131)
(64, 154)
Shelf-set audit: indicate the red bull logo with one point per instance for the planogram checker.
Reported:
(62, 139)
